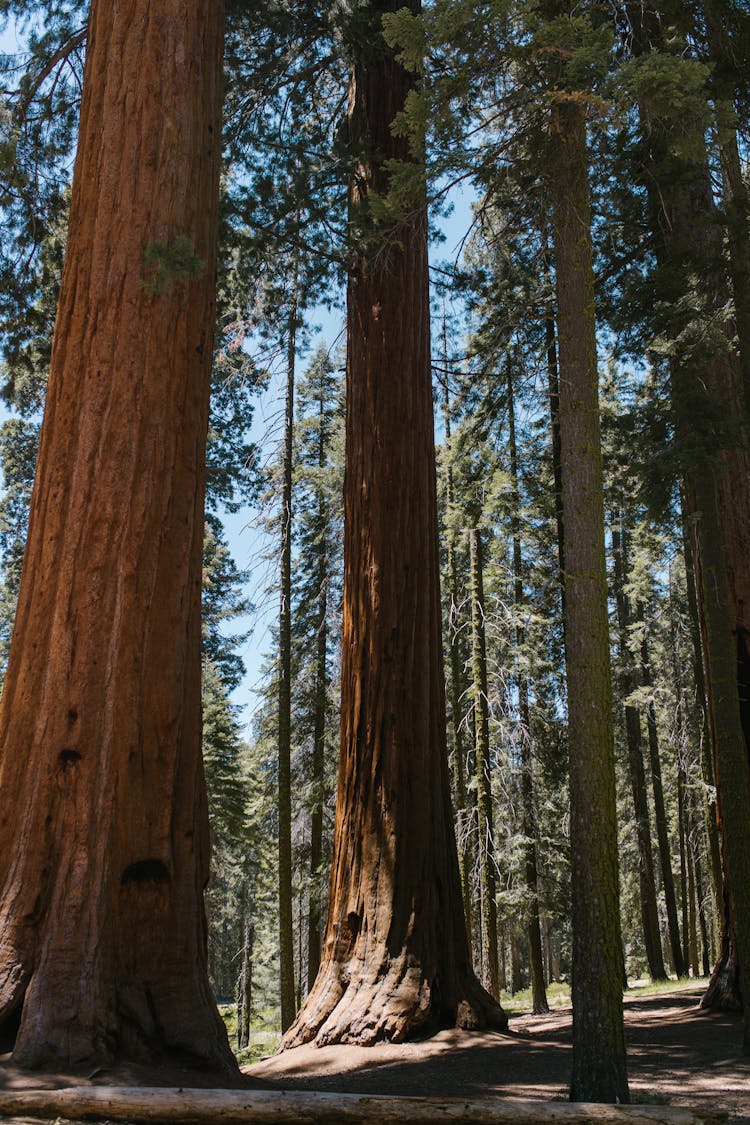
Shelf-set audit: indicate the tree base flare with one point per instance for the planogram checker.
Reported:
(364, 1008)
(107, 1027)
(723, 991)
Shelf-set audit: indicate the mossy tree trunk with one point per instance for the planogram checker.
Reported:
(104, 830)
(395, 960)
(599, 1067)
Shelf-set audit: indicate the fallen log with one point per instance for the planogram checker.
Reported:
(239, 1107)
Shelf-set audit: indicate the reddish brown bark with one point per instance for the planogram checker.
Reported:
(395, 957)
(103, 831)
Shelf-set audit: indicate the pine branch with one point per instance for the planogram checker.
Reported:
(61, 55)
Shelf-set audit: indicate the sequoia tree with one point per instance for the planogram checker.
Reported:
(395, 959)
(103, 826)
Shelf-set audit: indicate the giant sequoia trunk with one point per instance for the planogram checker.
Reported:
(103, 833)
(599, 1071)
(395, 959)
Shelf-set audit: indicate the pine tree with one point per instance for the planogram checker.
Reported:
(485, 834)
(318, 484)
(599, 1069)
(633, 735)
(536, 967)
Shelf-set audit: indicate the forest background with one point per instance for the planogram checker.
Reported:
(665, 99)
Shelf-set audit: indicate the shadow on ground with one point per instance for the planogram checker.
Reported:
(677, 1054)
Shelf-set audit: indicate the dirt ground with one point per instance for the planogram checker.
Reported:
(677, 1055)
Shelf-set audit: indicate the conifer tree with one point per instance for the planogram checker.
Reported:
(599, 1068)
(486, 835)
(536, 967)
(455, 692)
(633, 735)
(395, 959)
(709, 412)
(110, 593)
(317, 581)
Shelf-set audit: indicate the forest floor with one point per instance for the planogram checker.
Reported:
(677, 1055)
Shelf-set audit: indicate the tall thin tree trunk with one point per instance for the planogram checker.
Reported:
(245, 986)
(553, 388)
(599, 1066)
(533, 927)
(660, 814)
(486, 847)
(102, 930)
(319, 724)
(463, 813)
(705, 938)
(515, 960)
(692, 916)
(649, 908)
(286, 919)
(682, 830)
(395, 960)
(502, 956)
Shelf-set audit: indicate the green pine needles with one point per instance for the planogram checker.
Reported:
(170, 267)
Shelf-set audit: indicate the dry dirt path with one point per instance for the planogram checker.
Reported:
(677, 1054)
